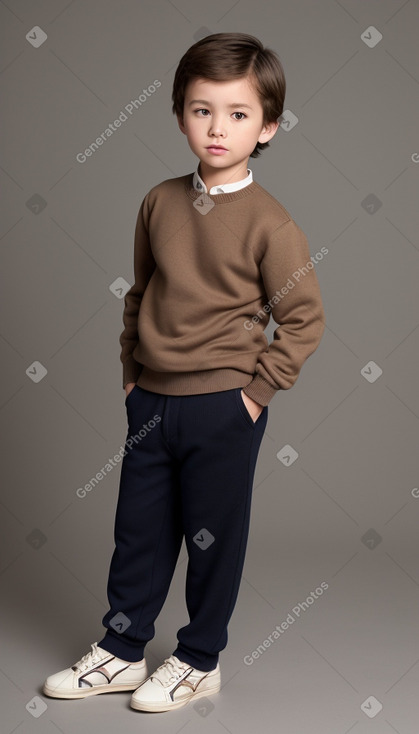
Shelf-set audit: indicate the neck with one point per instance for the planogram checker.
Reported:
(217, 177)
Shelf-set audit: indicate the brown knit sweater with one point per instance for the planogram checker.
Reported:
(209, 270)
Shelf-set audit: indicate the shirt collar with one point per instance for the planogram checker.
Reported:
(226, 188)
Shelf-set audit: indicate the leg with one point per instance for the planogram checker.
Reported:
(220, 445)
(148, 529)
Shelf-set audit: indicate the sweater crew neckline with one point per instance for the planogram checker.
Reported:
(219, 198)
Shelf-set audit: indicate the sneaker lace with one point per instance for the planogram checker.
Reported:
(89, 659)
(171, 669)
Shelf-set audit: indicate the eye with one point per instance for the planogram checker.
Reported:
(203, 109)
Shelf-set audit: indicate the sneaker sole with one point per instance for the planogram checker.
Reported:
(91, 692)
(160, 707)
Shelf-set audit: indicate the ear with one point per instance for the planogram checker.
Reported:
(268, 131)
(180, 123)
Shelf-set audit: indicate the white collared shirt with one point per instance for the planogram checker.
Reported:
(199, 185)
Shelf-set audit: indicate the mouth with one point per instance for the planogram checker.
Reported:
(217, 147)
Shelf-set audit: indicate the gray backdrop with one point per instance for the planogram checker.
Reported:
(343, 514)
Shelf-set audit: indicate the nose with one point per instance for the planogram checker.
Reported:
(216, 128)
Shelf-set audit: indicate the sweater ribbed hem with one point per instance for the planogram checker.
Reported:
(206, 381)
(192, 383)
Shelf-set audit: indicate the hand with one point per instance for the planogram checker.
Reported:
(128, 387)
(252, 406)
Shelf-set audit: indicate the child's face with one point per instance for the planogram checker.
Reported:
(212, 120)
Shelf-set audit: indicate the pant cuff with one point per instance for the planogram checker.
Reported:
(122, 649)
(210, 662)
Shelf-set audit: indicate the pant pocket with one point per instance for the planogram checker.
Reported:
(243, 409)
(131, 394)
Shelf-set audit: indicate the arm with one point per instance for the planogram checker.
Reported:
(144, 265)
(297, 308)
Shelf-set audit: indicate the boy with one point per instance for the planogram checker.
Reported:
(214, 253)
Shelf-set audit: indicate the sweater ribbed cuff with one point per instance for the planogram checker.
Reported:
(131, 370)
(260, 390)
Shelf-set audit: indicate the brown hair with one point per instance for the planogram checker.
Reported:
(224, 56)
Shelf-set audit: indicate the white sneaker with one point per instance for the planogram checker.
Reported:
(96, 672)
(173, 685)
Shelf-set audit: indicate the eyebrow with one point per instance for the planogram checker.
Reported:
(233, 104)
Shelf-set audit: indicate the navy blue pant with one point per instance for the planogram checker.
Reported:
(188, 471)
